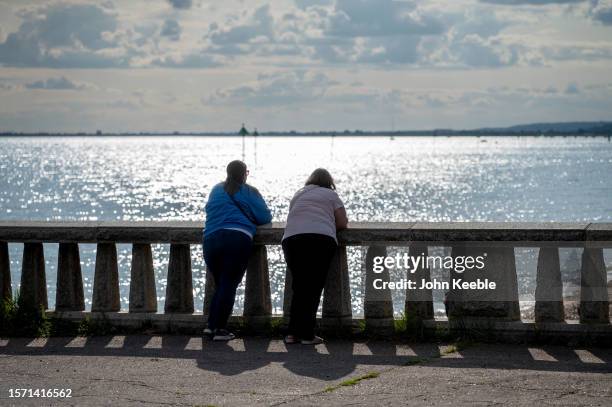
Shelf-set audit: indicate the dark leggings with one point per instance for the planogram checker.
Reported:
(308, 256)
(226, 253)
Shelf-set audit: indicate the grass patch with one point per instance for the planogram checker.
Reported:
(401, 324)
(361, 327)
(458, 346)
(18, 319)
(450, 349)
(409, 326)
(352, 382)
(415, 361)
(95, 327)
(276, 327)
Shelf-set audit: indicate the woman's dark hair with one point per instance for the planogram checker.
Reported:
(322, 178)
(236, 176)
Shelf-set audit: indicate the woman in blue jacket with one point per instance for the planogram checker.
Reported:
(233, 211)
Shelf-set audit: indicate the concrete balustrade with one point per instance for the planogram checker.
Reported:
(337, 309)
(33, 288)
(106, 280)
(69, 290)
(5, 273)
(594, 302)
(499, 267)
(179, 291)
(549, 288)
(378, 305)
(419, 302)
(257, 296)
(143, 296)
(499, 307)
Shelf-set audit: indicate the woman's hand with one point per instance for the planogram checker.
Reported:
(341, 218)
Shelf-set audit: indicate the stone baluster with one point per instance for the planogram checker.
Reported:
(257, 298)
(143, 296)
(33, 289)
(179, 290)
(419, 302)
(106, 280)
(378, 305)
(69, 292)
(337, 310)
(594, 303)
(499, 267)
(5, 273)
(549, 288)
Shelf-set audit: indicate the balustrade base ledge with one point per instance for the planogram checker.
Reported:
(485, 329)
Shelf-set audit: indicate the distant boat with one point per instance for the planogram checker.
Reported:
(392, 138)
(483, 141)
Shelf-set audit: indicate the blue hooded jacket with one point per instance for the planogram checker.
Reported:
(222, 212)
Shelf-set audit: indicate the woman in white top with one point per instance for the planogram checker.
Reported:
(309, 243)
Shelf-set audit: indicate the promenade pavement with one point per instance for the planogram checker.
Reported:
(190, 371)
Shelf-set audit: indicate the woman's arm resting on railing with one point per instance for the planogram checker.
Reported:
(341, 219)
(258, 207)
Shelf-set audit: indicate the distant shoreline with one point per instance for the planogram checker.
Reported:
(559, 129)
(388, 134)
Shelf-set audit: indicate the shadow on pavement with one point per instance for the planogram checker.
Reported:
(331, 361)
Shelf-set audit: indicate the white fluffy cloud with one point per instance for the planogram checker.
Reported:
(65, 35)
(602, 11)
(381, 33)
(185, 63)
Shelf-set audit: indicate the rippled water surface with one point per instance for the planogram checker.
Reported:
(406, 179)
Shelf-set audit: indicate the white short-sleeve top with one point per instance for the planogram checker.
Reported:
(312, 211)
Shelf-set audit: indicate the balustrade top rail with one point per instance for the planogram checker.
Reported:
(358, 233)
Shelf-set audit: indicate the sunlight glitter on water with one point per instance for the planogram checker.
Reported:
(406, 179)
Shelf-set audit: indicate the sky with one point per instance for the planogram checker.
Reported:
(304, 65)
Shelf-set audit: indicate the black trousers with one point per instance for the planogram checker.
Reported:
(308, 257)
(226, 253)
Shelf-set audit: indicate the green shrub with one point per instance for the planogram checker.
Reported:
(17, 319)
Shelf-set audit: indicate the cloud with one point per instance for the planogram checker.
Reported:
(374, 32)
(475, 51)
(370, 33)
(572, 89)
(59, 83)
(304, 4)
(576, 52)
(473, 40)
(371, 18)
(6, 85)
(192, 60)
(171, 29)
(531, 2)
(602, 11)
(64, 35)
(181, 4)
(277, 89)
(259, 26)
